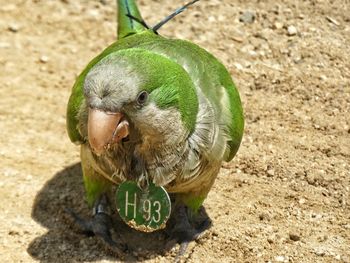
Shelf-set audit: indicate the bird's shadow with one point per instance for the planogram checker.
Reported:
(63, 241)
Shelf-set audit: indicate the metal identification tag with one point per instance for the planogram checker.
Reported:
(146, 209)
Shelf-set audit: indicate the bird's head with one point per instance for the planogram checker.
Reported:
(139, 95)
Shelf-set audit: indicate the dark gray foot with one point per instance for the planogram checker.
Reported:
(185, 231)
(99, 225)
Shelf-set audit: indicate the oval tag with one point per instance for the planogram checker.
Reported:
(145, 210)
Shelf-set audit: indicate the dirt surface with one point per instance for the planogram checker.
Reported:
(284, 198)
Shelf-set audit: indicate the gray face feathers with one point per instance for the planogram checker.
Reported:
(116, 87)
(110, 87)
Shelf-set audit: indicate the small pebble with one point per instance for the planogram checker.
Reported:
(5, 45)
(280, 258)
(294, 237)
(238, 66)
(13, 28)
(44, 59)
(323, 77)
(278, 25)
(292, 30)
(215, 233)
(93, 13)
(247, 17)
(320, 253)
(270, 173)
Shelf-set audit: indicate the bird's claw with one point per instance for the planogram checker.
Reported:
(183, 232)
(99, 225)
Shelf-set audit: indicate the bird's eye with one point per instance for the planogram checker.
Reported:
(142, 97)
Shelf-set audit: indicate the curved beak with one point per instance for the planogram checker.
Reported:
(106, 129)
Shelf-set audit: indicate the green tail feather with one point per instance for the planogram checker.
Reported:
(126, 25)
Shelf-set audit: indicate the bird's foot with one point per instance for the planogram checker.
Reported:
(99, 225)
(185, 231)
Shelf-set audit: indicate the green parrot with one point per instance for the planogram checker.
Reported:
(153, 109)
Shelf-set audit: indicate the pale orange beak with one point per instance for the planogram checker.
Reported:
(106, 129)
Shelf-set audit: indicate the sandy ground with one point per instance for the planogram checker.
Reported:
(284, 198)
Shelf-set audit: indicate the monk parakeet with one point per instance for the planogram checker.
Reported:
(153, 110)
